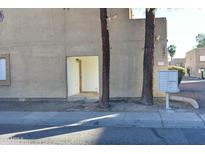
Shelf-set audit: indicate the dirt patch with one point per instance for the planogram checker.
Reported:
(116, 106)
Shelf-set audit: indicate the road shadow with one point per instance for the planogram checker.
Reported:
(51, 132)
(40, 131)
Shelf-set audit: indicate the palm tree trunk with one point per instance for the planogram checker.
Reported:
(148, 63)
(104, 102)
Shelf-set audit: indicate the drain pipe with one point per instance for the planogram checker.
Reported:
(191, 101)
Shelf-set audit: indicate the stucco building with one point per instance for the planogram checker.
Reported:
(178, 62)
(57, 53)
(195, 61)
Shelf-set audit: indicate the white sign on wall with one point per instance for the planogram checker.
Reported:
(2, 69)
(168, 81)
(160, 63)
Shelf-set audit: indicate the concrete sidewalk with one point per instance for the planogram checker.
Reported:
(160, 119)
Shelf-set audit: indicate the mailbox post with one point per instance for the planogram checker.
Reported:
(167, 101)
(168, 83)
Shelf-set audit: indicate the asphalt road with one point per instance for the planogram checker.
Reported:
(18, 134)
(194, 88)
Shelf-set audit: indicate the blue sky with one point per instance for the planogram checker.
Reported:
(182, 26)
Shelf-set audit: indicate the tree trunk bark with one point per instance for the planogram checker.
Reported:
(104, 102)
(148, 63)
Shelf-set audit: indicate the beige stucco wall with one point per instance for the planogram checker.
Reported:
(33, 37)
(39, 40)
(127, 47)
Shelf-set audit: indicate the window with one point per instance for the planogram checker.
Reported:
(4, 69)
(202, 58)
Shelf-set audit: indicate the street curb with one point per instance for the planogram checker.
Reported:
(161, 119)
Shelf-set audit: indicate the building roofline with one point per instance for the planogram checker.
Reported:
(179, 58)
(200, 48)
(195, 50)
(190, 51)
(160, 18)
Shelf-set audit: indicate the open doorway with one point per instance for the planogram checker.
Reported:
(83, 77)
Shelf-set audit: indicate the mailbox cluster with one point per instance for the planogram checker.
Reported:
(168, 81)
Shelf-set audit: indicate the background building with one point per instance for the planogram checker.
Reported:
(178, 62)
(195, 61)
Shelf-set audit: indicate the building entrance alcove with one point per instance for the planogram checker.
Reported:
(83, 77)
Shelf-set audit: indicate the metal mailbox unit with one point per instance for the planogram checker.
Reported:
(168, 83)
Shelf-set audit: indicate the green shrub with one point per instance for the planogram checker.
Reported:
(181, 72)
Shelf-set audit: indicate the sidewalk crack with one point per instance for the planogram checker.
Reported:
(161, 119)
(197, 114)
(159, 136)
